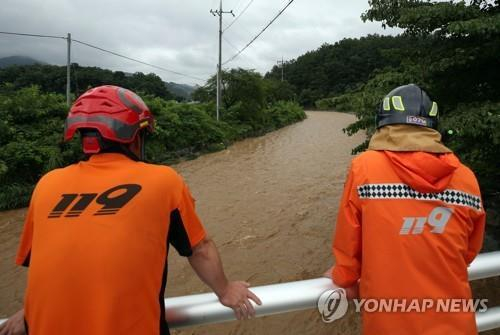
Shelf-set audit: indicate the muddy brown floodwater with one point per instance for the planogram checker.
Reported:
(268, 202)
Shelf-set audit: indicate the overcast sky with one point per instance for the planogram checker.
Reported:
(180, 35)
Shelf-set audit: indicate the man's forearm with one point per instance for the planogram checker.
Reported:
(206, 261)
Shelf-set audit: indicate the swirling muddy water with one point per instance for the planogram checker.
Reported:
(270, 205)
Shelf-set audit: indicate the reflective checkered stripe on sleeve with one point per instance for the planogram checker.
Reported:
(403, 191)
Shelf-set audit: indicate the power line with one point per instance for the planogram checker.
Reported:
(253, 39)
(239, 15)
(104, 50)
(32, 35)
(137, 61)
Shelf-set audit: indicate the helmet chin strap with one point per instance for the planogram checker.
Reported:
(143, 146)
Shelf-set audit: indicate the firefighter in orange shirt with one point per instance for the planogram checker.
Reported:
(410, 221)
(97, 233)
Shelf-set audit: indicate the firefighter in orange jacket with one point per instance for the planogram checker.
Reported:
(410, 222)
(97, 233)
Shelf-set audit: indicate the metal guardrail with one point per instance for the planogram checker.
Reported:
(281, 298)
(205, 308)
(488, 320)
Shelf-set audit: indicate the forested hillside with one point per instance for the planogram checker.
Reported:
(335, 68)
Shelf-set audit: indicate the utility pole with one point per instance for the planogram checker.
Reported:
(219, 12)
(68, 72)
(282, 63)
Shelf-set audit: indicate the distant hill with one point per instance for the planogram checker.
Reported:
(181, 90)
(18, 60)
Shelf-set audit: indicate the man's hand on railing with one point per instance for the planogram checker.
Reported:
(14, 325)
(237, 296)
(206, 262)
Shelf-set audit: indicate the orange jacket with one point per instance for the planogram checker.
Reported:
(96, 241)
(408, 226)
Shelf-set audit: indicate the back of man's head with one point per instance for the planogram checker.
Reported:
(110, 118)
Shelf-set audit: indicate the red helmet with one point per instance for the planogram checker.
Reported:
(116, 113)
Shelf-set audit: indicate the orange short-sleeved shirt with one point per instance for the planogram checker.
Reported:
(96, 241)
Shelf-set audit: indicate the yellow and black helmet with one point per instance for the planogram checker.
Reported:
(408, 104)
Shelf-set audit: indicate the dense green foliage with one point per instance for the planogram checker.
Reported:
(32, 122)
(51, 78)
(31, 126)
(246, 98)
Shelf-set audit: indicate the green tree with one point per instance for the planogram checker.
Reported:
(277, 90)
(245, 96)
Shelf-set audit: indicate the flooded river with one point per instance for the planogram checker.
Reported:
(269, 203)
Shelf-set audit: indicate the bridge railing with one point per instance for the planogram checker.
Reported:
(199, 309)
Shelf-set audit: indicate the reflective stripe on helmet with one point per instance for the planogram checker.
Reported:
(130, 103)
(386, 104)
(434, 109)
(124, 132)
(397, 102)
